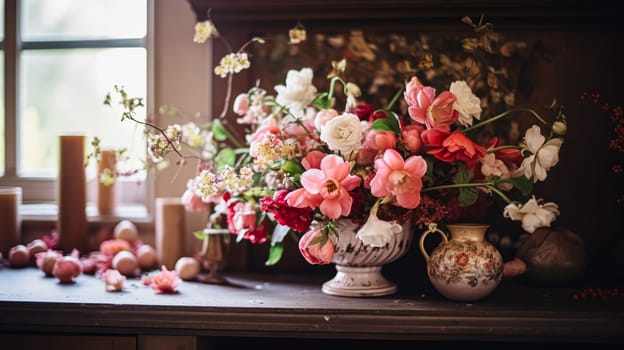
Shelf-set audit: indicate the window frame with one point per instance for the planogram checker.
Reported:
(41, 189)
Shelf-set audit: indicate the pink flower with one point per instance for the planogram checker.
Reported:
(326, 188)
(315, 249)
(312, 160)
(269, 128)
(241, 104)
(410, 137)
(194, 203)
(375, 142)
(113, 280)
(67, 268)
(425, 108)
(323, 116)
(114, 246)
(242, 216)
(165, 281)
(399, 178)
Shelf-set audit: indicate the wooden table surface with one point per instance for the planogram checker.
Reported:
(290, 306)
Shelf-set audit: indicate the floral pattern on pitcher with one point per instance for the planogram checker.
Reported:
(468, 261)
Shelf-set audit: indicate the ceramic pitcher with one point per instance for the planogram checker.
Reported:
(465, 267)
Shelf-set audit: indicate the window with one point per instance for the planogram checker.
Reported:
(62, 58)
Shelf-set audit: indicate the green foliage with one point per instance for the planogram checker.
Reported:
(387, 124)
(522, 184)
(218, 131)
(275, 254)
(226, 156)
(467, 195)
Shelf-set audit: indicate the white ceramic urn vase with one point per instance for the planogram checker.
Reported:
(358, 265)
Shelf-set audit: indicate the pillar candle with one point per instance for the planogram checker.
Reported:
(106, 192)
(170, 217)
(10, 223)
(72, 195)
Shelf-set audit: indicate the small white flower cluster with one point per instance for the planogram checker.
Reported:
(209, 184)
(204, 31)
(232, 63)
(269, 149)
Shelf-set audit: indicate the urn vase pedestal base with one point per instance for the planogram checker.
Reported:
(355, 281)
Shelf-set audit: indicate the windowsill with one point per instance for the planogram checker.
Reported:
(48, 212)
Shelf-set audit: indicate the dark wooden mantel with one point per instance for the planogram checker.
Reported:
(291, 306)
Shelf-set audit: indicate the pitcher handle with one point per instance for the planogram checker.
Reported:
(432, 228)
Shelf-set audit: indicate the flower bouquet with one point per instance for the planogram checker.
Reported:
(309, 160)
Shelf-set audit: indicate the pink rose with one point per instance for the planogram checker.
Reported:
(319, 252)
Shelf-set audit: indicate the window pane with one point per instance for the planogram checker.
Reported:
(2, 20)
(2, 118)
(64, 90)
(83, 19)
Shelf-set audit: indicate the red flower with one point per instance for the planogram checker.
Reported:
(364, 110)
(508, 155)
(461, 259)
(298, 219)
(242, 217)
(452, 147)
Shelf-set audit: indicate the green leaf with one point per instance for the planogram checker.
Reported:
(200, 234)
(275, 254)
(467, 195)
(321, 101)
(226, 156)
(218, 131)
(524, 185)
(387, 124)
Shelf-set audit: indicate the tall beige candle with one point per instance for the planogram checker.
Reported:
(106, 192)
(10, 223)
(170, 219)
(72, 195)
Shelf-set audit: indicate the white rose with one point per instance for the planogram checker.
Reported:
(532, 214)
(467, 104)
(343, 133)
(298, 91)
(376, 232)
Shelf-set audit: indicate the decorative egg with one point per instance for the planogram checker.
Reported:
(146, 256)
(19, 256)
(187, 268)
(126, 263)
(37, 246)
(126, 230)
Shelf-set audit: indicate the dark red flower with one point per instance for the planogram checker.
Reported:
(364, 110)
(298, 219)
